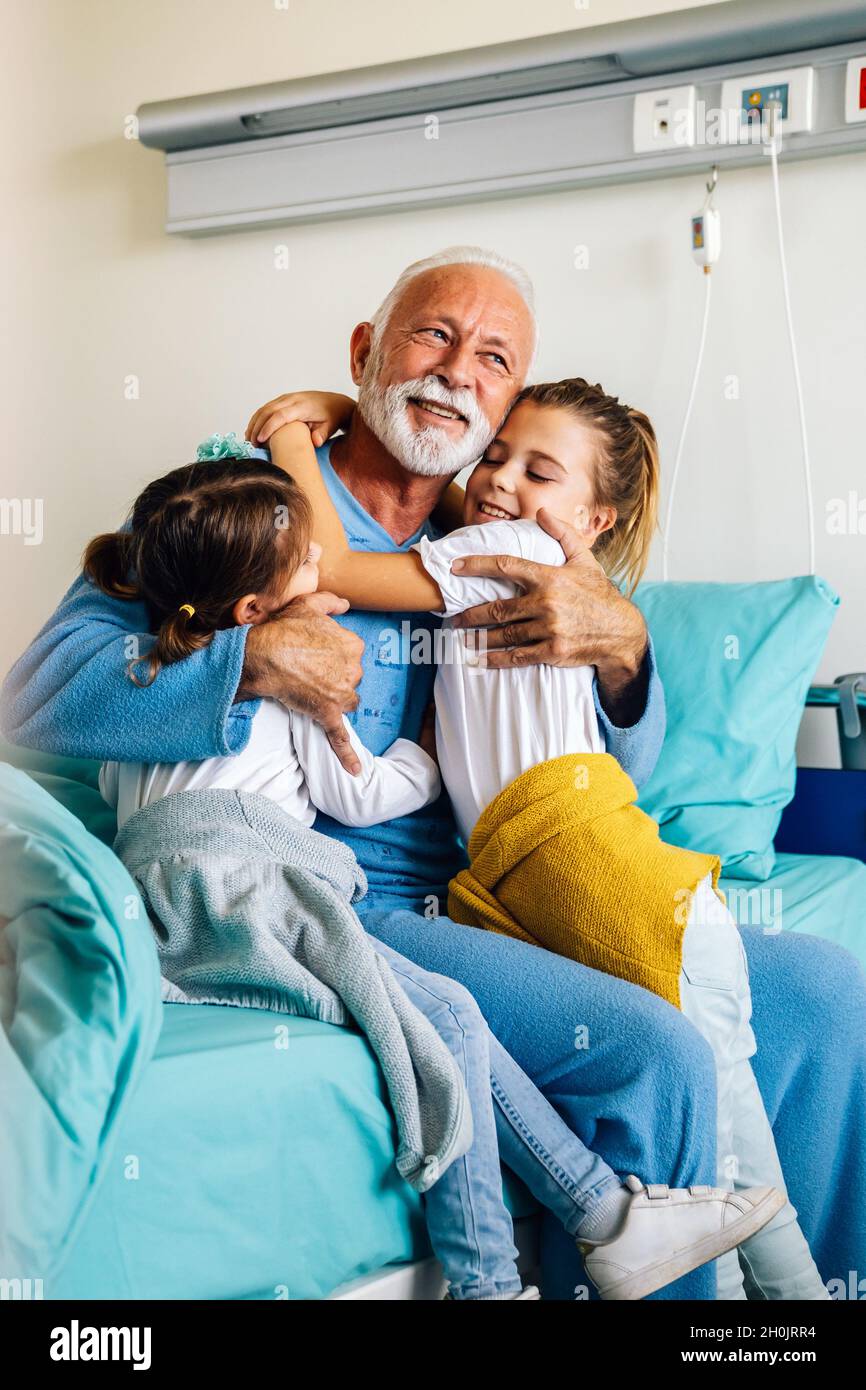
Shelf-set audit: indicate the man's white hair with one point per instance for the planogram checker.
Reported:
(459, 255)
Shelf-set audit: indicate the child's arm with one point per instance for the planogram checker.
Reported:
(292, 450)
(366, 579)
(402, 780)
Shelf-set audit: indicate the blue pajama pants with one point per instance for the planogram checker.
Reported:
(635, 1081)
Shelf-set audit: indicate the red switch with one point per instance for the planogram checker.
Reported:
(855, 89)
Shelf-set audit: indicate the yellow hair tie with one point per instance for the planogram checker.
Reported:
(187, 608)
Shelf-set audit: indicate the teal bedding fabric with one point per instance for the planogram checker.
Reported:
(822, 895)
(257, 1161)
(80, 1015)
(74, 782)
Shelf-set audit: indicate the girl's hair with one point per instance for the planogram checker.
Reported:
(626, 471)
(204, 536)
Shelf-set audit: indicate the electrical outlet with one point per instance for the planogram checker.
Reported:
(664, 120)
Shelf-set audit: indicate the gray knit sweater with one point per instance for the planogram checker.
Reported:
(251, 908)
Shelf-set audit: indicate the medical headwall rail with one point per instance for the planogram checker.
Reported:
(543, 114)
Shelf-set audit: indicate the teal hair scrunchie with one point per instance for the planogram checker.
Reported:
(224, 446)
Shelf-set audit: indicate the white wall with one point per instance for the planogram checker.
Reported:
(95, 292)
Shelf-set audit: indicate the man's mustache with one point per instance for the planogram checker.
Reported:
(430, 388)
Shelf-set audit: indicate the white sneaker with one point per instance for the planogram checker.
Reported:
(669, 1231)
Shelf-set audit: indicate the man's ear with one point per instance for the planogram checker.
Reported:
(359, 350)
(249, 610)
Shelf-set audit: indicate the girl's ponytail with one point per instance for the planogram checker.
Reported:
(107, 563)
(178, 635)
(624, 550)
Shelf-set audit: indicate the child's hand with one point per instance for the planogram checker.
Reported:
(323, 412)
(427, 736)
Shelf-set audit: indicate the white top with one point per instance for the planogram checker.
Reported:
(288, 759)
(491, 725)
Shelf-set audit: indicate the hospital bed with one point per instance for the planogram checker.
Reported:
(242, 1170)
(267, 1174)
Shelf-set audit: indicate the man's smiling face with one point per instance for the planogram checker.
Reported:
(441, 374)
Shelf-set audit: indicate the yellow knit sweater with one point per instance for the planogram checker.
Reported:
(562, 858)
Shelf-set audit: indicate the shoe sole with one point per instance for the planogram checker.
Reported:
(710, 1248)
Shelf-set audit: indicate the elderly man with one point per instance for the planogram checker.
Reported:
(437, 368)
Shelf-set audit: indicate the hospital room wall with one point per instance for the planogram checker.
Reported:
(128, 346)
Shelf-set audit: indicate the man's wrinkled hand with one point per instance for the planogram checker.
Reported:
(310, 664)
(567, 615)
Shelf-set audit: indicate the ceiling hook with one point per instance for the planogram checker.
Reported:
(713, 179)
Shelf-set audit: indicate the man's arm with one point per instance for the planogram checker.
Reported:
(637, 745)
(70, 692)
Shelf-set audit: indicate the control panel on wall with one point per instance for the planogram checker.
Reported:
(666, 118)
(747, 100)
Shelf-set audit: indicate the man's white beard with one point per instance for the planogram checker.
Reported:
(428, 451)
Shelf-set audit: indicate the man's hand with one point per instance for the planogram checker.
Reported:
(310, 664)
(323, 412)
(569, 615)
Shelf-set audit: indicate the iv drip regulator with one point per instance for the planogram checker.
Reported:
(707, 228)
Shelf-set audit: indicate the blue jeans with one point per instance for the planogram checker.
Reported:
(627, 1073)
(467, 1220)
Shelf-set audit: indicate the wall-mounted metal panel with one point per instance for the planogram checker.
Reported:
(665, 43)
(493, 149)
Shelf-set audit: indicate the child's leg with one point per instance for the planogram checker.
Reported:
(522, 1130)
(468, 1222)
(581, 1190)
(643, 1238)
(716, 998)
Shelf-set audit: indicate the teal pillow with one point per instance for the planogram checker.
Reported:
(736, 661)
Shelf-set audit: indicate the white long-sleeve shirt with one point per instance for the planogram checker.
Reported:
(289, 759)
(491, 724)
